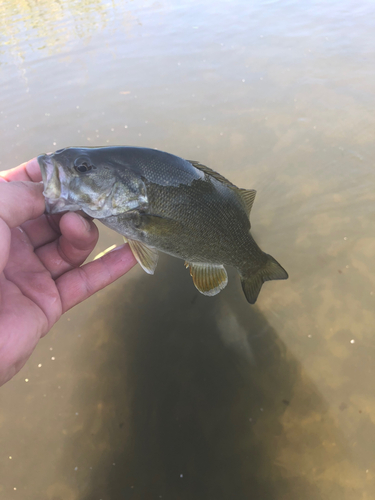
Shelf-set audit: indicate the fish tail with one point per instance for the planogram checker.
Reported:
(252, 282)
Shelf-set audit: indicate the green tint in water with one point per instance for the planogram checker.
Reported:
(191, 396)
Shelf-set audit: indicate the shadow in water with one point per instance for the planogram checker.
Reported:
(190, 397)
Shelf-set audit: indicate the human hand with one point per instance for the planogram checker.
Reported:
(41, 272)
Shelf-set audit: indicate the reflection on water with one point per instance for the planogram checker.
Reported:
(49, 26)
(151, 390)
(176, 412)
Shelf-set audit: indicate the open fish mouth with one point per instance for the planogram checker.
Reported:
(50, 176)
(55, 190)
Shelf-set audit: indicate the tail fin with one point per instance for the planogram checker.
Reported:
(252, 283)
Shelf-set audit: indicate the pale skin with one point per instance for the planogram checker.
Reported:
(41, 265)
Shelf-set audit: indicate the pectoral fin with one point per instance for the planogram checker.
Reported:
(209, 279)
(158, 225)
(147, 257)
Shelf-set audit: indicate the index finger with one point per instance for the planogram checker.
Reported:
(82, 282)
(28, 171)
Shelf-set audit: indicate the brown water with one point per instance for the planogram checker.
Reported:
(150, 390)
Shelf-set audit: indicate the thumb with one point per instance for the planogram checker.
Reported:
(20, 201)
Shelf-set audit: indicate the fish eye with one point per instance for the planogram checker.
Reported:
(83, 167)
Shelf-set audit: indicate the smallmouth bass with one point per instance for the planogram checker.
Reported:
(159, 201)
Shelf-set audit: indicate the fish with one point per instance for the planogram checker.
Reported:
(161, 202)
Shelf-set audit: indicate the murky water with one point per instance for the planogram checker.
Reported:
(150, 390)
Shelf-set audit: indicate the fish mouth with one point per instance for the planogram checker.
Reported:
(55, 192)
(50, 176)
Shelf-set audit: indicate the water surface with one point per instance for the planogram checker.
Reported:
(150, 390)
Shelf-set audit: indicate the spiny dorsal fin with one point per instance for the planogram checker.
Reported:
(208, 278)
(248, 197)
(147, 257)
(212, 173)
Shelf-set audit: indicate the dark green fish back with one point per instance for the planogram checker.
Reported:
(213, 223)
(214, 226)
(156, 166)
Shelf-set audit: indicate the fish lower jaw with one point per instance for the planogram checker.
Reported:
(55, 206)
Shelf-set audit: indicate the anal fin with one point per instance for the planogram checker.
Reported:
(209, 279)
(147, 257)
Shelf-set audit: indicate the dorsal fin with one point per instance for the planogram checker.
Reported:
(212, 173)
(248, 197)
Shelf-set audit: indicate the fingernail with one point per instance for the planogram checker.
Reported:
(85, 222)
